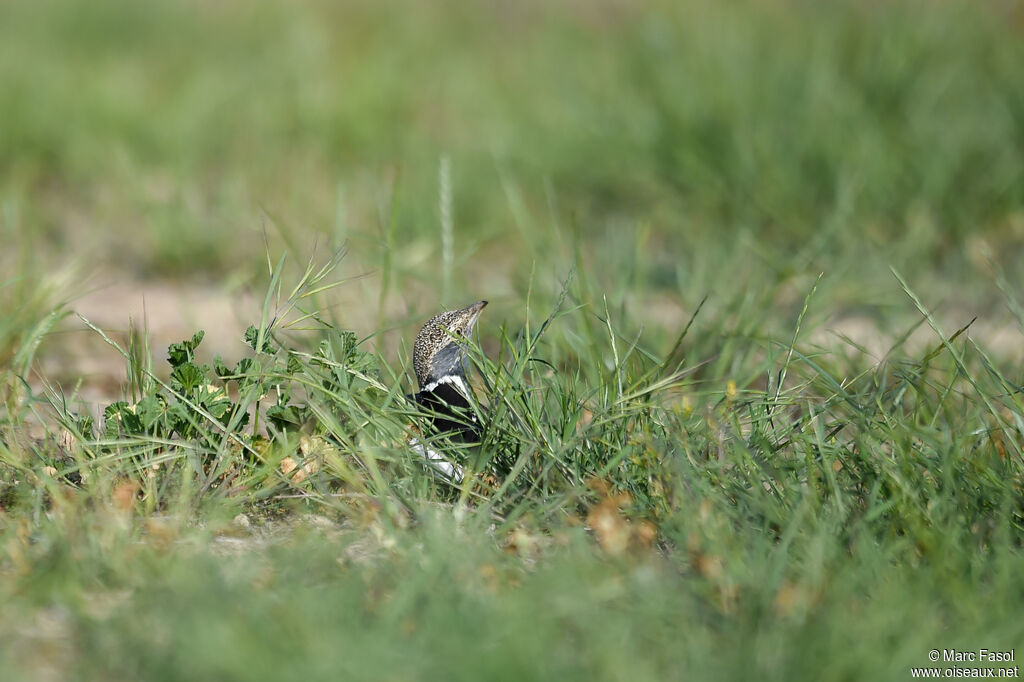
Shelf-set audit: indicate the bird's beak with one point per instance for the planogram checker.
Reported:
(475, 311)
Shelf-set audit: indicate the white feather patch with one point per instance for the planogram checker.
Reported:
(459, 384)
(450, 379)
(437, 462)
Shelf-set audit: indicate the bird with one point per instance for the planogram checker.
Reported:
(440, 362)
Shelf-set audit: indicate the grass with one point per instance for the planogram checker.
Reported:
(746, 522)
(672, 116)
(682, 475)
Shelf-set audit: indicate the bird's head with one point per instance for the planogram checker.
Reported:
(438, 354)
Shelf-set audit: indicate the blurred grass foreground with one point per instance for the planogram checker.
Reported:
(752, 366)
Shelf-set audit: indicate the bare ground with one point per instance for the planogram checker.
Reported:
(77, 359)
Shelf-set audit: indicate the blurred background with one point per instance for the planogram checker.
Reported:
(159, 152)
(639, 163)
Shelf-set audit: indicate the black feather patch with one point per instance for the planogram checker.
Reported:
(449, 411)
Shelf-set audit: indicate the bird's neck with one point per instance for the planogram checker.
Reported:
(449, 381)
(450, 403)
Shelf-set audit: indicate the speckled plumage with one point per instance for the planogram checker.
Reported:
(439, 361)
(435, 353)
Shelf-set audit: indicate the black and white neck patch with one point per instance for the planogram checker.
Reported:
(447, 405)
